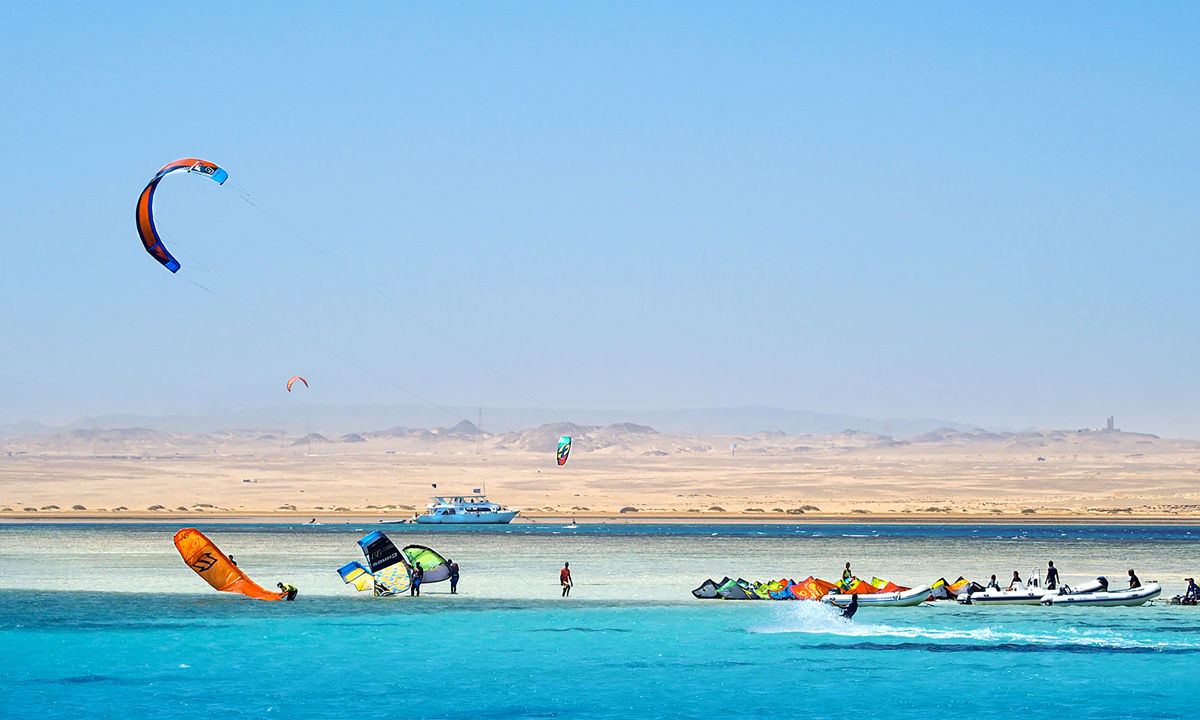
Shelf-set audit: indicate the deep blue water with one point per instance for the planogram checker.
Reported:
(106, 621)
(125, 655)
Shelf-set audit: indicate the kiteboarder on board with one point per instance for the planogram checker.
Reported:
(849, 610)
(564, 577)
(289, 591)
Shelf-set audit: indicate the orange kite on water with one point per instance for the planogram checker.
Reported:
(217, 570)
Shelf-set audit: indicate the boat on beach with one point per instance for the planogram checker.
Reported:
(473, 509)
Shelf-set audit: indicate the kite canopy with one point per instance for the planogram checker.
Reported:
(435, 566)
(388, 564)
(293, 380)
(145, 206)
(355, 574)
(564, 449)
(202, 555)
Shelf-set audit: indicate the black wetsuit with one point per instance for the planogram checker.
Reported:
(1051, 578)
(849, 610)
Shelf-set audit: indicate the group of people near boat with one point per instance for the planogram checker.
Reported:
(1052, 581)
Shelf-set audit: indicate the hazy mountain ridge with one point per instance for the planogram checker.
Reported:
(618, 439)
(334, 421)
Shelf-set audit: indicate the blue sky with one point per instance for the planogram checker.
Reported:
(985, 214)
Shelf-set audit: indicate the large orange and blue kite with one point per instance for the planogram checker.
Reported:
(145, 206)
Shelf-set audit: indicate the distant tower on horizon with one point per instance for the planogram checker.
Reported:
(1109, 424)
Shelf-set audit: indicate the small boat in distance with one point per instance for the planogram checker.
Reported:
(471, 509)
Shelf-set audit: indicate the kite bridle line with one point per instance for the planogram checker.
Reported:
(449, 340)
(314, 343)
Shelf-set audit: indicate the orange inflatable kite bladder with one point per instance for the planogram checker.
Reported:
(215, 567)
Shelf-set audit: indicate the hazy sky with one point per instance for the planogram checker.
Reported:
(981, 214)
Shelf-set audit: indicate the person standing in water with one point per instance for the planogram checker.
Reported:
(289, 591)
(453, 577)
(414, 588)
(1133, 580)
(1051, 576)
(564, 577)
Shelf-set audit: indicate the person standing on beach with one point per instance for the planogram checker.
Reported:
(1133, 580)
(1051, 576)
(453, 577)
(418, 574)
(564, 577)
(847, 576)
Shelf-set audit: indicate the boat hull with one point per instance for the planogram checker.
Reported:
(490, 518)
(905, 598)
(1112, 598)
(1032, 596)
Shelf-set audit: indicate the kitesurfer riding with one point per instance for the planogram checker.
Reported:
(418, 574)
(289, 591)
(1051, 576)
(453, 576)
(564, 577)
(1133, 580)
(849, 610)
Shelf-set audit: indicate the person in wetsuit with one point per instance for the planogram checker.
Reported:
(1051, 576)
(453, 577)
(289, 591)
(1133, 580)
(1016, 581)
(849, 610)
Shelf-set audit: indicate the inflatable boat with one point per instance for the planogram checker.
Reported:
(1107, 598)
(1028, 595)
(902, 598)
(1023, 596)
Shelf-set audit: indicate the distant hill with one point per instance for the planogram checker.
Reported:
(333, 421)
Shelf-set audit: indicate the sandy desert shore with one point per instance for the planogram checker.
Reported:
(944, 476)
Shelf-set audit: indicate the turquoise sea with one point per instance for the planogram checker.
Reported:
(103, 621)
